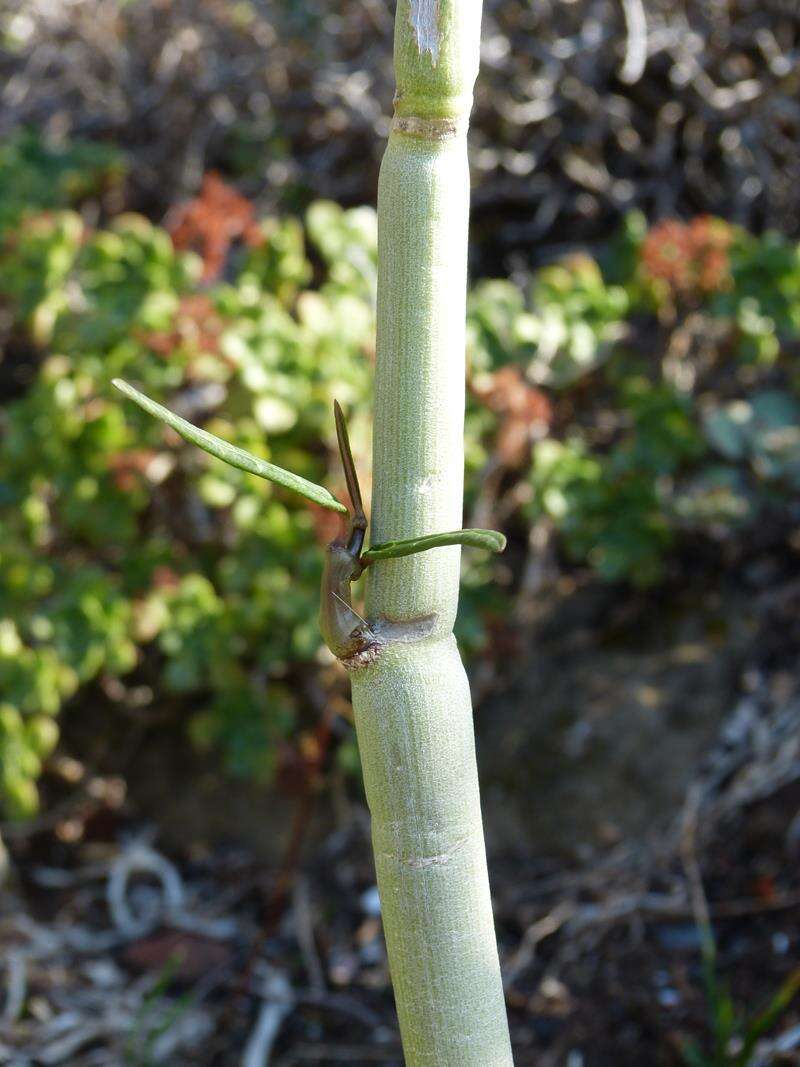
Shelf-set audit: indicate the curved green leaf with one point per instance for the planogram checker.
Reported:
(235, 457)
(490, 540)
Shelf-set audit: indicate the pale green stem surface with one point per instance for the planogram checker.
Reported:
(412, 702)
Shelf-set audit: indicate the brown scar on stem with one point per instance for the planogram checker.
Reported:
(384, 632)
(403, 631)
(429, 129)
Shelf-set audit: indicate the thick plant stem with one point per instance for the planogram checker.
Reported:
(411, 697)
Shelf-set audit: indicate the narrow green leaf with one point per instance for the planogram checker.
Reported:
(490, 540)
(235, 457)
(768, 1017)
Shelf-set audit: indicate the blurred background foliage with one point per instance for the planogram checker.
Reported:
(629, 410)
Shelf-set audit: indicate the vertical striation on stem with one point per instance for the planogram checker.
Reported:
(412, 703)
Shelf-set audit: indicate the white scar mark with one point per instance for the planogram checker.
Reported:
(426, 486)
(424, 17)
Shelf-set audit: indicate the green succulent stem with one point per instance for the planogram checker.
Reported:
(411, 698)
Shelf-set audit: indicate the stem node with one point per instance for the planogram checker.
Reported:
(411, 702)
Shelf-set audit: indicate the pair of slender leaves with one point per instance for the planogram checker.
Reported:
(734, 1038)
(489, 540)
